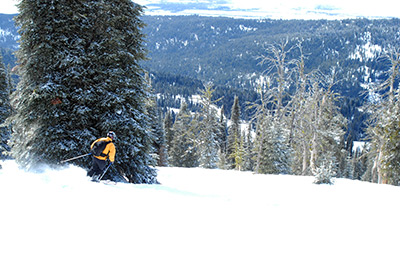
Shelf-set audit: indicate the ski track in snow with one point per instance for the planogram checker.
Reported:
(195, 218)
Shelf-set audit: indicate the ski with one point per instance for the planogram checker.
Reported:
(108, 182)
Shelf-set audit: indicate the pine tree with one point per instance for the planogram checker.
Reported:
(248, 163)
(5, 111)
(234, 133)
(238, 153)
(222, 131)
(222, 139)
(207, 134)
(159, 151)
(260, 117)
(359, 163)
(183, 151)
(159, 141)
(168, 124)
(279, 71)
(326, 125)
(324, 174)
(384, 127)
(271, 151)
(80, 77)
(273, 154)
(296, 131)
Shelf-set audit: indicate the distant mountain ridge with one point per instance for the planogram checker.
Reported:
(226, 51)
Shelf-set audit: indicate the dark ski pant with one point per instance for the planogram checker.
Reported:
(98, 167)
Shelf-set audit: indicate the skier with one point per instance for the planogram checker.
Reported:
(103, 149)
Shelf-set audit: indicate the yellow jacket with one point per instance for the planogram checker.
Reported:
(109, 151)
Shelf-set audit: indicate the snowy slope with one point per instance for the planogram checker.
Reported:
(196, 218)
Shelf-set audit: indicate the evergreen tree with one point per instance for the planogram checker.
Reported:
(159, 151)
(326, 125)
(80, 77)
(260, 117)
(279, 71)
(5, 111)
(299, 129)
(222, 139)
(238, 153)
(272, 152)
(359, 164)
(248, 162)
(168, 124)
(159, 143)
(324, 174)
(207, 134)
(384, 127)
(234, 133)
(222, 134)
(183, 151)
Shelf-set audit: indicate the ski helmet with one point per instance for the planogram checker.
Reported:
(112, 135)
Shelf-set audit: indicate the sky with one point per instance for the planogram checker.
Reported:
(285, 9)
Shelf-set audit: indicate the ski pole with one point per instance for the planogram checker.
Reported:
(76, 157)
(102, 175)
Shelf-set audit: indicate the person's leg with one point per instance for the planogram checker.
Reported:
(97, 168)
(92, 170)
(99, 165)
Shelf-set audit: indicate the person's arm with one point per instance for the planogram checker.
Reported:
(111, 154)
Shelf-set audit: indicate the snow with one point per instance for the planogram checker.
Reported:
(359, 145)
(195, 218)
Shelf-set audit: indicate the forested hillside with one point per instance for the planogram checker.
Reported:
(186, 51)
(227, 52)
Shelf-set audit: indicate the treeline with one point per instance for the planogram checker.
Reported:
(226, 52)
(295, 126)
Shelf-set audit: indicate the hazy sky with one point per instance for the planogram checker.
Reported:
(306, 9)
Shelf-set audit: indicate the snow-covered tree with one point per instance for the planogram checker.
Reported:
(317, 132)
(238, 152)
(271, 150)
(207, 125)
(384, 128)
(222, 138)
(159, 142)
(248, 162)
(183, 151)
(234, 133)
(358, 163)
(279, 68)
(324, 174)
(80, 77)
(5, 111)
(168, 124)
(297, 131)
(159, 151)
(326, 127)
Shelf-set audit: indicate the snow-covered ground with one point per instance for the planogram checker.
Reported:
(195, 218)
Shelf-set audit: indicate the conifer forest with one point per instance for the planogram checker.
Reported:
(300, 97)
